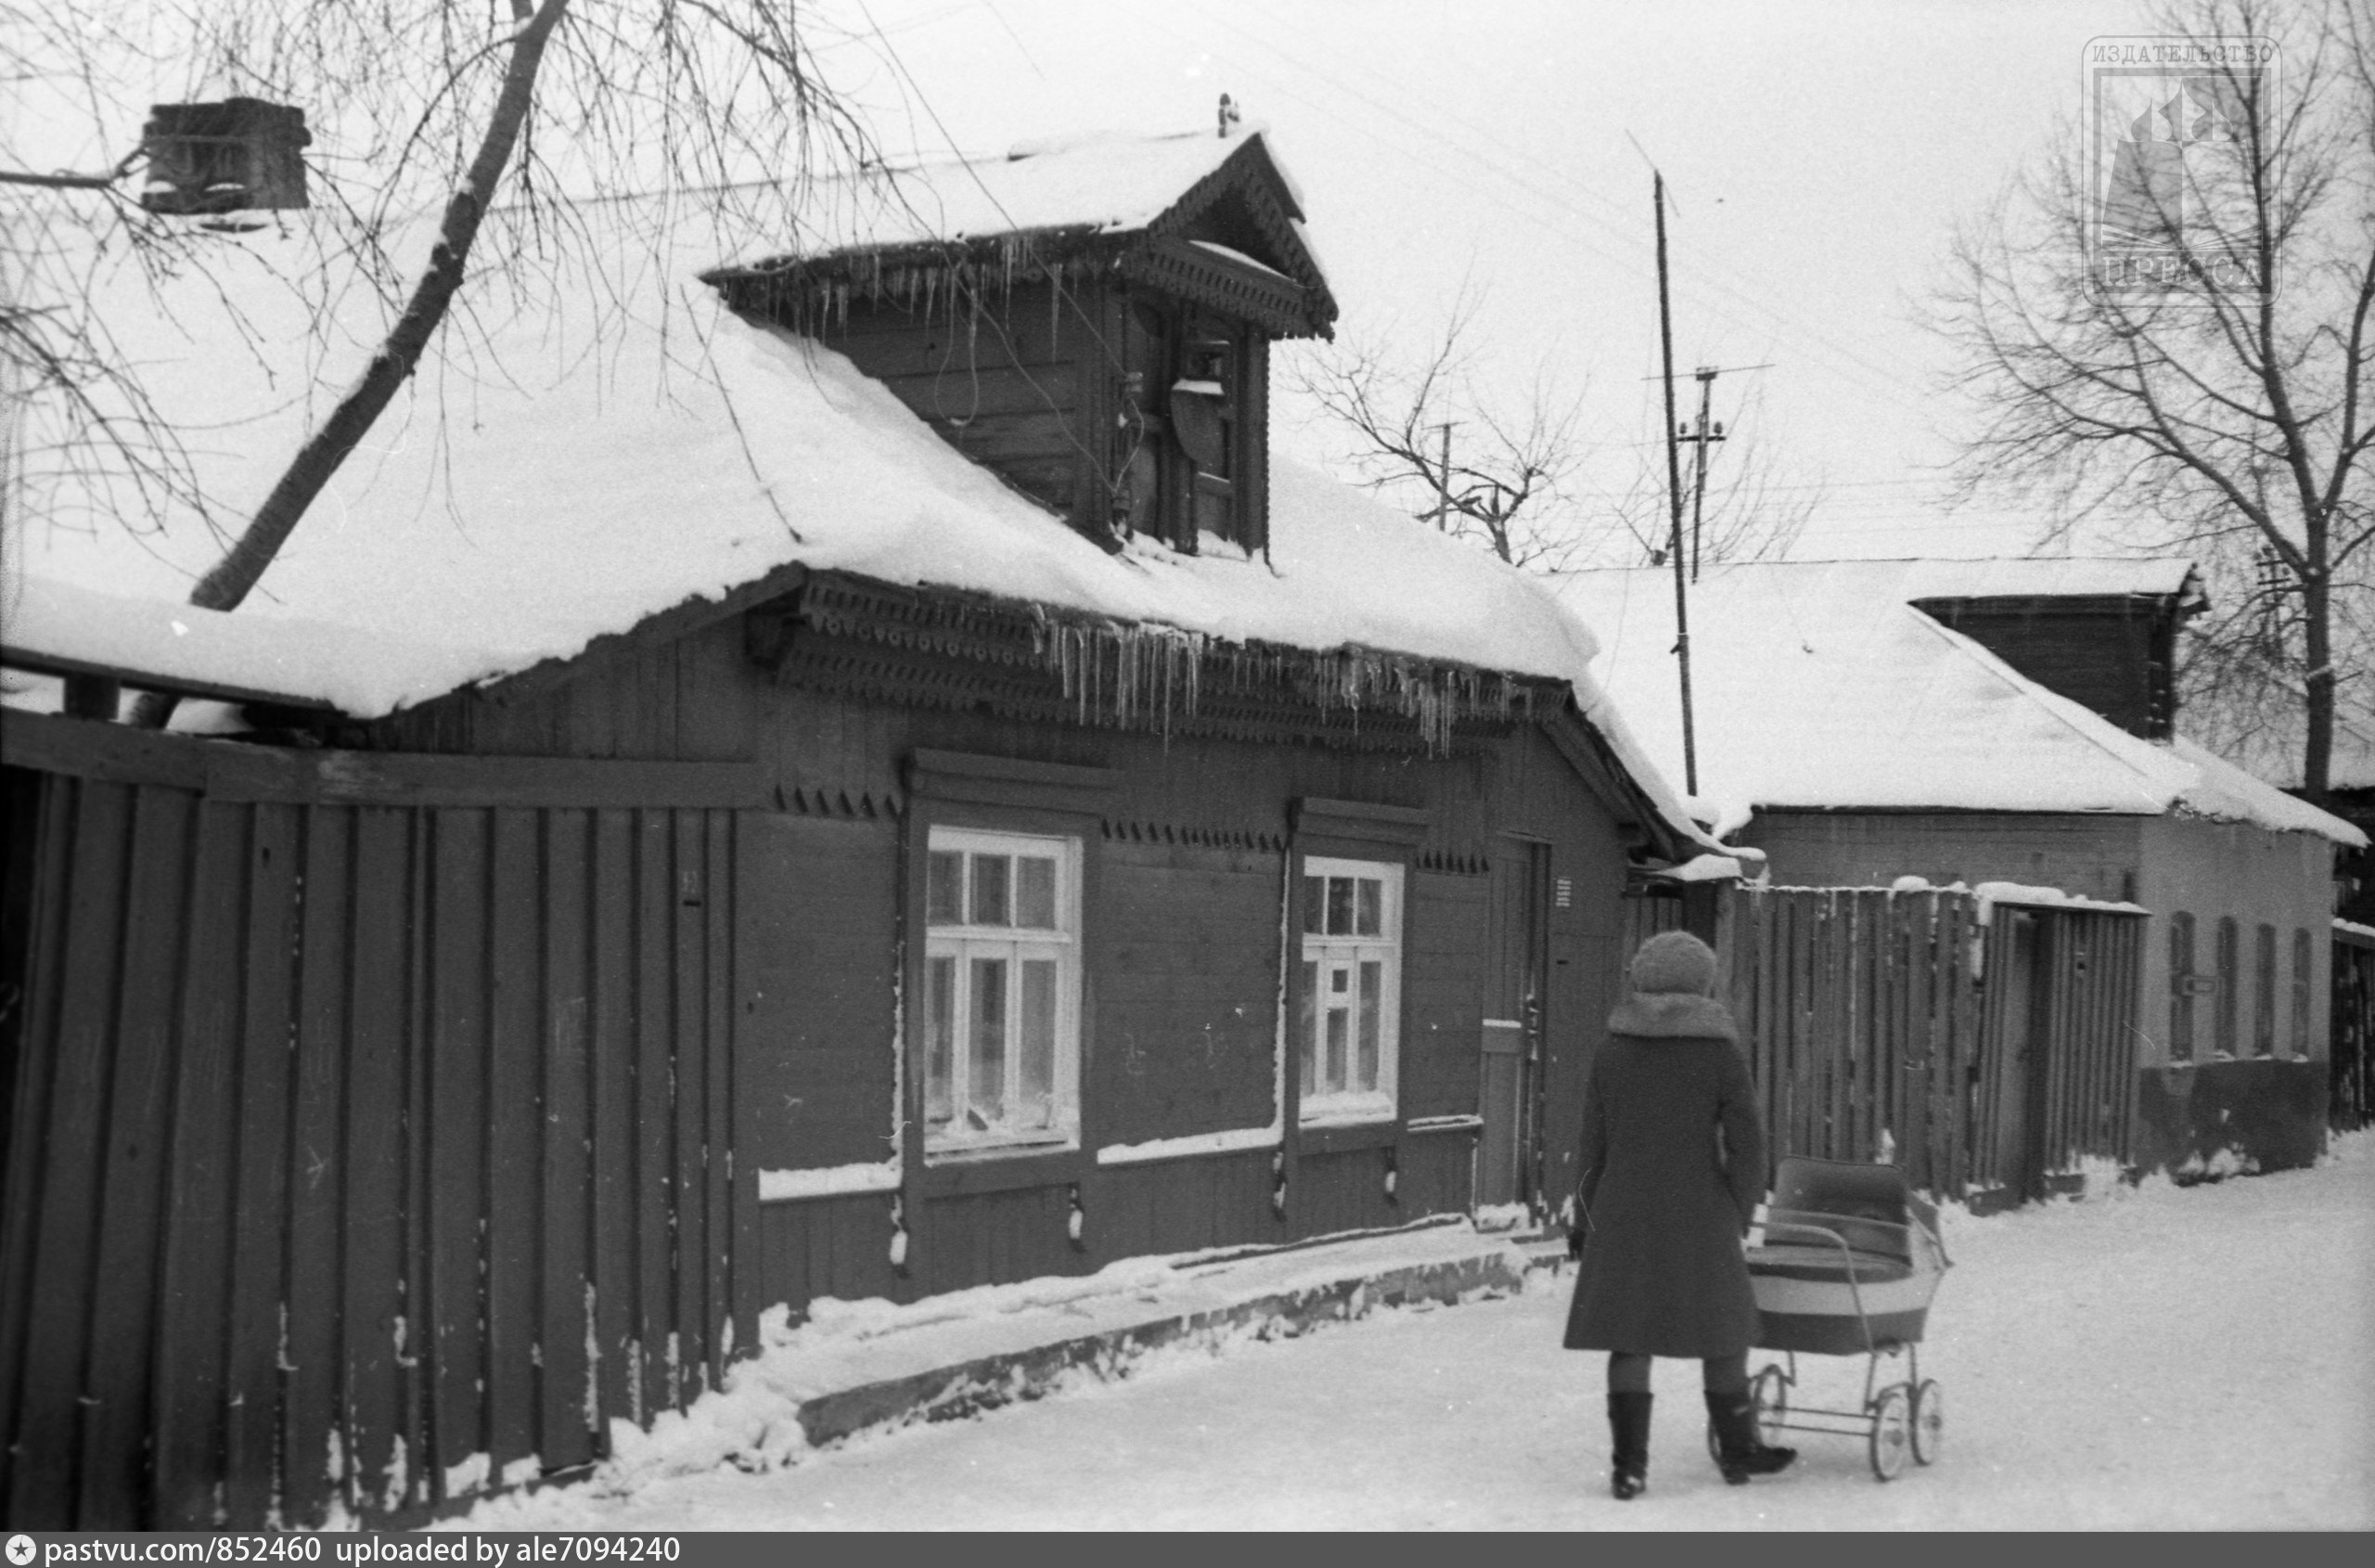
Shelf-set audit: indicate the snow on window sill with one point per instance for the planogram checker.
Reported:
(1232, 1142)
(1367, 1110)
(1001, 1148)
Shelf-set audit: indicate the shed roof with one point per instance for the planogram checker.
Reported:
(1817, 685)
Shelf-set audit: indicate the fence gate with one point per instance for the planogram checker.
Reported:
(1983, 1045)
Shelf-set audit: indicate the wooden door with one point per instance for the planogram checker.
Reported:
(1509, 1149)
(2021, 1059)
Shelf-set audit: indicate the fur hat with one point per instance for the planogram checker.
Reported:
(1671, 963)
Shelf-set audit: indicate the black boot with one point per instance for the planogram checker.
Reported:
(1740, 1453)
(1628, 1425)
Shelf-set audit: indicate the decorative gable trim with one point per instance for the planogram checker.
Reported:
(1279, 305)
(945, 649)
(959, 274)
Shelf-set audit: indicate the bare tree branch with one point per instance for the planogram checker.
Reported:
(2223, 409)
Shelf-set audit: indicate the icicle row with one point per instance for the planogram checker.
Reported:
(1152, 676)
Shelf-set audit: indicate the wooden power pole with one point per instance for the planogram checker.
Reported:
(1674, 492)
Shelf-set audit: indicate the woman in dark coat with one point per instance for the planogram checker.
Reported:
(1673, 1166)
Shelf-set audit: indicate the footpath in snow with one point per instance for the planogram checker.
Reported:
(2150, 1358)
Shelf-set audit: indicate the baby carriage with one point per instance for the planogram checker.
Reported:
(1846, 1265)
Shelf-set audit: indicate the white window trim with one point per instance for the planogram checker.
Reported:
(1356, 1106)
(965, 941)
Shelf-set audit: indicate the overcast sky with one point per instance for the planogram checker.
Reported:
(1819, 155)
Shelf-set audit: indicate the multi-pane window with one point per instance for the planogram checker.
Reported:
(1350, 1024)
(2299, 991)
(1001, 1003)
(2263, 992)
(1183, 434)
(2228, 1001)
(2182, 986)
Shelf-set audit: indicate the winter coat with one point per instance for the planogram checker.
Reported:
(1673, 1167)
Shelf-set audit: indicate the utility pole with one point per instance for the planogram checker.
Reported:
(1674, 492)
(1442, 485)
(1699, 437)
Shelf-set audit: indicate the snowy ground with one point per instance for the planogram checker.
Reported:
(2159, 1358)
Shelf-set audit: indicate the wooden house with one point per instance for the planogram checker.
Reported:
(2013, 721)
(928, 801)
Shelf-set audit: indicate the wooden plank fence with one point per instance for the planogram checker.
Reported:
(283, 1223)
(1985, 1050)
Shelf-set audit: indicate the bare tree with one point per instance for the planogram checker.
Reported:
(2199, 379)
(1506, 481)
(1520, 477)
(1751, 509)
(558, 103)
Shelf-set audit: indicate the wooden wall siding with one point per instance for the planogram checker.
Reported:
(1180, 1206)
(2113, 659)
(1345, 1190)
(1444, 991)
(819, 1036)
(996, 1239)
(699, 698)
(335, 1127)
(1185, 971)
(1437, 1175)
(1865, 1013)
(1008, 385)
(838, 1247)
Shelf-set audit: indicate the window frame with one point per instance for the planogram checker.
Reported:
(2303, 991)
(2264, 973)
(1320, 955)
(2226, 1010)
(2182, 956)
(965, 943)
(1158, 479)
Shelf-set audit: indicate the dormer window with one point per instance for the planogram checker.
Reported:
(1116, 376)
(1185, 434)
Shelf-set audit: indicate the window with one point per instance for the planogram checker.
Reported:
(2181, 987)
(2230, 982)
(2263, 992)
(1186, 387)
(1001, 1004)
(2300, 992)
(1350, 1025)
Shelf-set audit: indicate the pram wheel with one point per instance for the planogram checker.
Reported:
(1892, 1432)
(1929, 1421)
(1770, 1392)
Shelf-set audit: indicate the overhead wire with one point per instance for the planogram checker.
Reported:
(1821, 344)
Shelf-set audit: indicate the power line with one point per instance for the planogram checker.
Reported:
(1820, 342)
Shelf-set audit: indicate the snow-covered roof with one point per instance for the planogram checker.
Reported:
(2266, 738)
(1816, 684)
(2024, 577)
(1104, 183)
(1171, 208)
(582, 459)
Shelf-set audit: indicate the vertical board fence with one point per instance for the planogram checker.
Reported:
(2352, 1099)
(364, 1155)
(1985, 1050)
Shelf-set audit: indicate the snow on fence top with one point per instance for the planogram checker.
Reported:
(1817, 685)
(587, 446)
